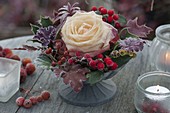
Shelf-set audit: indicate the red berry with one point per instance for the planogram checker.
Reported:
(117, 25)
(33, 100)
(66, 53)
(25, 61)
(100, 56)
(103, 11)
(30, 68)
(39, 98)
(20, 101)
(63, 59)
(109, 63)
(116, 17)
(45, 95)
(94, 8)
(15, 57)
(78, 53)
(48, 51)
(100, 8)
(110, 12)
(53, 63)
(7, 51)
(27, 103)
(92, 64)
(23, 75)
(110, 19)
(70, 61)
(114, 66)
(100, 66)
(59, 62)
(87, 56)
(89, 59)
(107, 58)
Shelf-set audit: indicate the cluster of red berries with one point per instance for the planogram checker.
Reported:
(97, 63)
(102, 63)
(108, 15)
(28, 103)
(28, 68)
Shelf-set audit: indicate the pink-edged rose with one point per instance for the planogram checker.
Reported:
(88, 33)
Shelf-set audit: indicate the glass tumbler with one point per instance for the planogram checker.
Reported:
(160, 49)
(9, 78)
(152, 92)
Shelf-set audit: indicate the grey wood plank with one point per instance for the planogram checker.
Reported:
(10, 106)
(122, 102)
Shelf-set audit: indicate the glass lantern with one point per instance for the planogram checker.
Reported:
(160, 49)
(9, 78)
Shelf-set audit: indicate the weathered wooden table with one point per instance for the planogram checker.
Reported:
(45, 80)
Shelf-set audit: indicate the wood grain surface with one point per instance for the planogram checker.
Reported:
(46, 80)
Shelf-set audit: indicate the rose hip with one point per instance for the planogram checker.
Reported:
(39, 98)
(7, 51)
(25, 61)
(30, 68)
(33, 100)
(27, 103)
(45, 95)
(20, 101)
(15, 57)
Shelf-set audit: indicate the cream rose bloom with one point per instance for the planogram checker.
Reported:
(88, 33)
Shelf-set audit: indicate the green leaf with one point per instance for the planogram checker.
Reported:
(122, 20)
(94, 77)
(34, 28)
(44, 61)
(122, 60)
(45, 21)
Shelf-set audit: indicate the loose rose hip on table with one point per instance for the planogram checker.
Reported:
(86, 49)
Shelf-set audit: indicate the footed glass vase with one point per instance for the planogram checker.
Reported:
(90, 95)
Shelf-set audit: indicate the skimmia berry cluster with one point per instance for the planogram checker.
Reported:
(82, 46)
(109, 16)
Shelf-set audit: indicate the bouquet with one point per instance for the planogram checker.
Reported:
(82, 46)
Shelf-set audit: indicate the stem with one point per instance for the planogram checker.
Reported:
(152, 3)
(122, 31)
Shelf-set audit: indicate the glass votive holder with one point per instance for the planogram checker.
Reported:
(9, 78)
(160, 49)
(152, 93)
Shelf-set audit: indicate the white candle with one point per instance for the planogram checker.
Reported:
(157, 90)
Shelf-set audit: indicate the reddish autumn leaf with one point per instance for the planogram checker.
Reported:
(75, 77)
(139, 31)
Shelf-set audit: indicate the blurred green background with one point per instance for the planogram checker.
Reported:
(15, 15)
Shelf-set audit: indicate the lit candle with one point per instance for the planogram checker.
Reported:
(167, 61)
(157, 90)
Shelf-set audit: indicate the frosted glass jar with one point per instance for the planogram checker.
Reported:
(9, 78)
(160, 49)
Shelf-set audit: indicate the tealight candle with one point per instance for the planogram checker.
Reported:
(157, 90)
